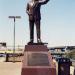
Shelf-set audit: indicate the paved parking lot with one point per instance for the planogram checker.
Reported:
(9, 68)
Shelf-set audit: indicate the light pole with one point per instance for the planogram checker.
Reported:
(14, 17)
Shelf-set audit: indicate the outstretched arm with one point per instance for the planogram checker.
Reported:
(43, 1)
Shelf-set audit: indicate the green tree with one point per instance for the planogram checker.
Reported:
(71, 54)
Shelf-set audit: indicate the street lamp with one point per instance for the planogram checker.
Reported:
(14, 17)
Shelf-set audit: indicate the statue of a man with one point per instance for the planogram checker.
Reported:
(33, 10)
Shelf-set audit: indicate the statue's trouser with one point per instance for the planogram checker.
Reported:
(31, 25)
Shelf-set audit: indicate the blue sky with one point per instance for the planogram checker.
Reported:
(57, 23)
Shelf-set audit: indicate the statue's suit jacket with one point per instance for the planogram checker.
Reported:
(33, 9)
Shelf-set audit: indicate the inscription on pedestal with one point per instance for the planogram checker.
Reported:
(37, 59)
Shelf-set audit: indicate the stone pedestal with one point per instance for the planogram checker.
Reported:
(37, 61)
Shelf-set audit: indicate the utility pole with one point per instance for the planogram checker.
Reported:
(14, 17)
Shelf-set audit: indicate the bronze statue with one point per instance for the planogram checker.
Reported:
(33, 10)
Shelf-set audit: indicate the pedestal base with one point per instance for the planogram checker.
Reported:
(38, 71)
(37, 61)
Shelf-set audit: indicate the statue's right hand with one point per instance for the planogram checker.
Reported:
(28, 12)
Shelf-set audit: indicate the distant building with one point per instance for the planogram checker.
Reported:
(62, 48)
(2, 45)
